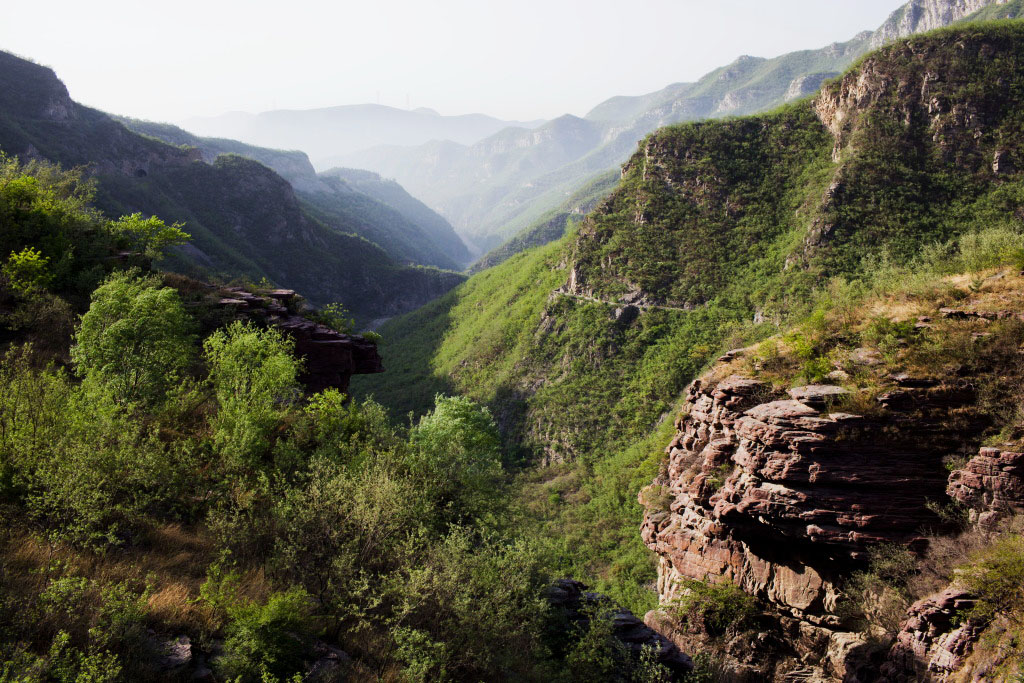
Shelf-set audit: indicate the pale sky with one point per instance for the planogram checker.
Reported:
(521, 59)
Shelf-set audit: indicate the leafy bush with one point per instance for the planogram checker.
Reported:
(134, 341)
(457, 454)
(27, 270)
(267, 637)
(713, 607)
(254, 377)
(148, 236)
(996, 576)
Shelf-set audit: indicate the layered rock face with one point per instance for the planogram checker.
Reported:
(783, 495)
(933, 642)
(774, 495)
(991, 485)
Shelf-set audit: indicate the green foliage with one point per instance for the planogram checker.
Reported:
(254, 378)
(135, 339)
(270, 636)
(996, 576)
(27, 270)
(457, 454)
(149, 236)
(337, 317)
(469, 592)
(714, 607)
(78, 463)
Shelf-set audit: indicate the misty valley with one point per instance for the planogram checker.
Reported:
(718, 383)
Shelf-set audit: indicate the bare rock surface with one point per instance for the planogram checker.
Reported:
(935, 640)
(991, 484)
(781, 496)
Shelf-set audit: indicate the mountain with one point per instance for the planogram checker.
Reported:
(845, 249)
(245, 219)
(496, 187)
(327, 133)
(553, 224)
(379, 210)
(390, 193)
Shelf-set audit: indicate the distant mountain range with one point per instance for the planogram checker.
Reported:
(327, 134)
(377, 209)
(493, 179)
(494, 188)
(245, 219)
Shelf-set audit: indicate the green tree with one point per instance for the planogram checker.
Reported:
(149, 236)
(457, 452)
(27, 269)
(135, 339)
(254, 377)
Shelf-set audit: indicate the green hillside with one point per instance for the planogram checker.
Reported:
(719, 234)
(360, 202)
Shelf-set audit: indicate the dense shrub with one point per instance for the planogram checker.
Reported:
(254, 377)
(135, 340)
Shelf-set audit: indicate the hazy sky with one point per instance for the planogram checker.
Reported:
(520, 59)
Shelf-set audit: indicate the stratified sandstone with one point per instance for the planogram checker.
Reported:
(934, 641)
(784, 494)
(991, 485)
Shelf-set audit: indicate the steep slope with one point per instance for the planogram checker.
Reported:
(806, 479)
(719, 233)
(244, 219)
(381, 211)
(332, 131)
(453, 182)
(393, 195)
(553, 224)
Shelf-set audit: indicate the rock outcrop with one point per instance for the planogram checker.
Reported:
(935, 640)
(330, 357)
(991, 485)
(783, 495)
(918, 16)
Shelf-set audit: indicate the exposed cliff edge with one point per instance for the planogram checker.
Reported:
(787, 493)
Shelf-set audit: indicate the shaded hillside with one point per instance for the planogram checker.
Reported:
(244, 219)
(393, 195)
(454, 182)
(381, 211)
(718, 234)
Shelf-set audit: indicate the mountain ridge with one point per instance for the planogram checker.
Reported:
(245, 220)
(745, 86)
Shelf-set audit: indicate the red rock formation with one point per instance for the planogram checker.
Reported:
(933, 642)
(991, 484)
(784, 496)
(330, 357)
(773, 494)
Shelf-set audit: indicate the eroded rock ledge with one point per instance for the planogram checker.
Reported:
(784, 494)
(330, 357)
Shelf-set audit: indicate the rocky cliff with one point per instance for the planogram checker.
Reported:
(918, 16)
(788, 492)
